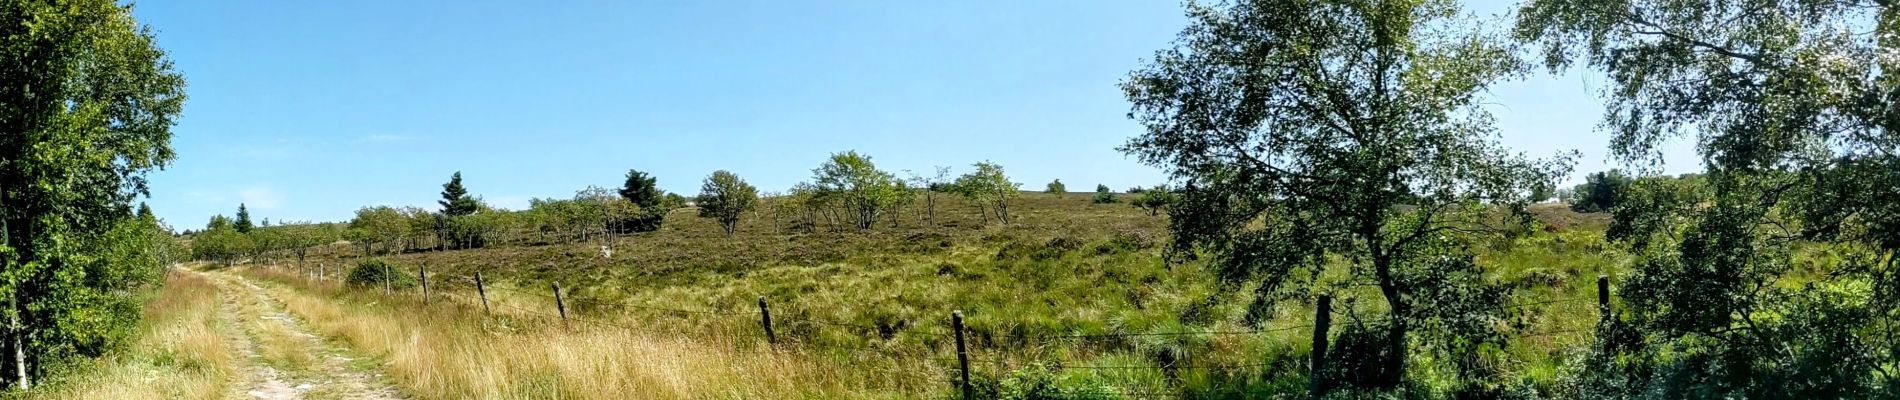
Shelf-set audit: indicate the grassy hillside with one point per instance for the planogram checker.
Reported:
(1074, 295)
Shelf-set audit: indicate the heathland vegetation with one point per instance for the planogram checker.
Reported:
(1340, 221)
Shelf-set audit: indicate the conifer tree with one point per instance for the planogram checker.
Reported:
(455, 199)
(243, 223)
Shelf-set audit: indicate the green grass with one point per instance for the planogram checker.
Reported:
(882, 300)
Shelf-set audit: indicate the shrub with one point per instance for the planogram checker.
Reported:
(1037, 382)
(1102, 195)
(370, 273)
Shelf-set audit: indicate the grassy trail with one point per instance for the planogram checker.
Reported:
(286, 360)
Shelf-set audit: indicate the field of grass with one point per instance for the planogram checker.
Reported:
(1073, 295)
(181, 353)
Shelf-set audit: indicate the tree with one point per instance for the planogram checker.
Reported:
(456, 201)
(222, 244)
(673, 201)
(1057, 188)
(1154, 199)
(1793, 107)
(300, 237)
(1102, 195)
(725, 197)
(219, 222)
(641, 189)
(989, 189)
(863, 190)
(243, 224)
(1542, 192)
(450, 229)
(931, 185)
(1599, 192)
(1308, 128)
(87, 105)
(381, 224)
(602, 209)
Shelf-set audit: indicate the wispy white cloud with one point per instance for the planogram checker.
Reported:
(386, 138)
(261, 198)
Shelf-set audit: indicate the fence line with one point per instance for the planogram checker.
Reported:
(963, 361)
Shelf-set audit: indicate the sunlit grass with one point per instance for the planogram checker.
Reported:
(449, 350)
(873, 308)
(182, 352)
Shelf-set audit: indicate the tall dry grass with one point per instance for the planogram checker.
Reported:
(449, 349)
(182, 351)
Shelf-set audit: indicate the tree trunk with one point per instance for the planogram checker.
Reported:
(19, 346)
(1002, 210)
(930, 207)
(1395, 333)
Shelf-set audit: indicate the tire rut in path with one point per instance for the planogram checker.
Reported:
(308, 369)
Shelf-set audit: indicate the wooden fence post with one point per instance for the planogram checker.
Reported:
(560, 305)
(320, 274)
(481, 291)
(765, 319)
(387, 290)
(1603, 296)
(423, 271)
(963, 354)
(1322, 323)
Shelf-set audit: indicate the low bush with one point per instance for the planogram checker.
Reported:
(372, 272)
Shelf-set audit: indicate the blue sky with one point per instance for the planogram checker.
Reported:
(309, 110)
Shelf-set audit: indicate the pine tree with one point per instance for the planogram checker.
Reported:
(455, 199)
(641, 189)
(243, 223)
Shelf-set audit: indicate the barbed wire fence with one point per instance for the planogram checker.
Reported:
(966, 357)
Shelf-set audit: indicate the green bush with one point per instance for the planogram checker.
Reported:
(1037, 382)
(1102, 195)
(370, 273)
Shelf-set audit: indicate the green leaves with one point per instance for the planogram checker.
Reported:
(1310, 127)
(989, 188)
(851, 179)
(725, 197)
(1792, 105)
(87, 104)
(641, 189)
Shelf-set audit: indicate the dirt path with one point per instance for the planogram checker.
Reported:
(285, 360)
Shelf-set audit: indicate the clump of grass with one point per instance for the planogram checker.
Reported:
(181, 351)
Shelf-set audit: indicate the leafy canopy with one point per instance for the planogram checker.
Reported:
(1793, 105)
(989, 188)
(87, 103)
(1599, 192)
(1305, 128)
(725, 197)
(867, 192)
